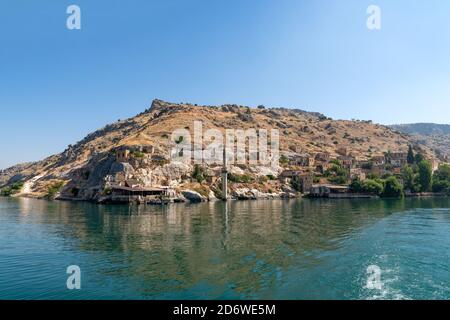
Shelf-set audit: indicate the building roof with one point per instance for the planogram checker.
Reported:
(331, 186)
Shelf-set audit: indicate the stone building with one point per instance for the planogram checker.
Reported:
(322, 156)
(347, 162)
(122, 155)
(302, 160)
(303, 180)
(125, 153)
(357, 173)
(398, 159)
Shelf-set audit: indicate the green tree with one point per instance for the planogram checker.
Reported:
(373, 187)
(284, 160)
(418, 158)
(356, 185)
(54, 188)
(12, 189)
(388, 156)
(425, 175)
(410, 157)
(408, 178)
(441, 179)
(199, 173)
(367, 165)
(392, 188)
(372, 176)
(336, 173)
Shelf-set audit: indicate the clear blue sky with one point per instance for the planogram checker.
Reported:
(57, 85)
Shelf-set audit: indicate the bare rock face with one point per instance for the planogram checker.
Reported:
(212, 197)
(246, 117)
(16, 173)
(117, 167)
(193, 196)
(172, 173)
(243, 194)
(252, 194)
(262, 171)
(236, 170)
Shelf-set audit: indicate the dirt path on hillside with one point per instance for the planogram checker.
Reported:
(28, 186)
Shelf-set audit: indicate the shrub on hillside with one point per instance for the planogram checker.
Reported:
(54, 188)
(392, 188)
(372, 187)
(12, 189)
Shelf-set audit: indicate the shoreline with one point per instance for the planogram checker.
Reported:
(334, 198)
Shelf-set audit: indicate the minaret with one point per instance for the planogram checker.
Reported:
(224, 176)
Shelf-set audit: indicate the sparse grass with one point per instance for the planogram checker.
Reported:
(54, 188)
(107, 191)
(202, 190)
(138, 154)
(199, 173)
(239, 178)
(284, 160)
(11, 190)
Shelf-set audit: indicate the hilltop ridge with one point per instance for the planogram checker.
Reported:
(435, 136)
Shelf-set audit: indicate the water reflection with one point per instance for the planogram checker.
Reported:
(214, 250)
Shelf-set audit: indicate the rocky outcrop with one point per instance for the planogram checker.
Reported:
(193, 196)
(253, 194)
(118, 167)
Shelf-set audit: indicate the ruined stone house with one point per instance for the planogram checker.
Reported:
(347, 162)
(322, 157)
(304, 180)
(378, 160)
(122, 155)
(357, 173)
(302, 160)
(398, 159)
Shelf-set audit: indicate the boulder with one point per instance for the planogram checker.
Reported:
(174, 171)
(212, 196)
(236, 170)
(244, 194)
(193, 196)
(288, 195)
(264, 171)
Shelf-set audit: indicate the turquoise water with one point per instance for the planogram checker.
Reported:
(278, 249)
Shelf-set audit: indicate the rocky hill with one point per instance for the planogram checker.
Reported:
(425, 129)
(81, 170)
(434, 136)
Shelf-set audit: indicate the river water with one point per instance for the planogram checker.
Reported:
(274, 249)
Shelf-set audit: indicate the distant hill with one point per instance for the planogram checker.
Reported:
(426, 129)
(432, 135)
